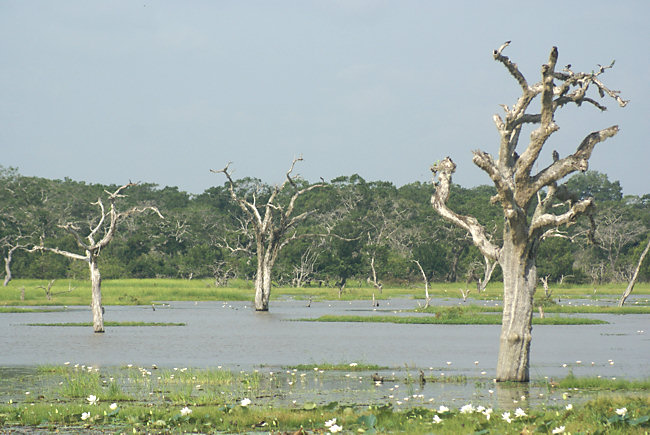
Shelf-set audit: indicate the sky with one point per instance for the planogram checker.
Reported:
(163, 91)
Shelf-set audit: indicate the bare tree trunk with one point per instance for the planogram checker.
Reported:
(426, 284)
(490, 265)
(96, 304)
(7, 269)
(519, 280)
(630, 286)
(263, 283)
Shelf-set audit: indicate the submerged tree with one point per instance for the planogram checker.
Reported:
(519, 190)
(273, 227)
(106, 224)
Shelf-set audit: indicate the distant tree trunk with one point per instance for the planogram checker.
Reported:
(630, 286)
(96, 284)
(8, 258)
(427, 299)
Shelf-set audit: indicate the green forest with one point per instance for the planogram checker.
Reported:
(367, 231)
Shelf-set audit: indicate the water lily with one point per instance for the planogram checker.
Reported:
(437, 419)
(569, 407)
(113, 406)
(186, 411)
(330, 423)
(520, 413)
(85, 415)
(559, 429)
(506, 417)
(335, 428)
(245, 402)
(487, 413)
(621, 411)
(92, 399)
(467, 409)
(442, 409)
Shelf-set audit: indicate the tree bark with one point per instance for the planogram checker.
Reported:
(630, 286)
(96, 284)
(263, 284)
(519, 280)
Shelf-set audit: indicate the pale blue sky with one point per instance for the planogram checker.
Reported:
(164, 91)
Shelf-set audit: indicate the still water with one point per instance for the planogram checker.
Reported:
(232, 334)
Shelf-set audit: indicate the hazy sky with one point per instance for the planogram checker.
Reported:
(164, 91)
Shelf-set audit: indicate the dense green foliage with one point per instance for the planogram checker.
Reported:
(371, 221)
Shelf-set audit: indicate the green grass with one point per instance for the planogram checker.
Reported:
(464, 319)
(595, 383)
(150, 400)
(147, 291)
(553, 308)
(30, 310)
(110, 323)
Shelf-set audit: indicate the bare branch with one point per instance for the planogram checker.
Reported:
(444, 170)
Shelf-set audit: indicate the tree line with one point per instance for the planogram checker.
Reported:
(353, 230)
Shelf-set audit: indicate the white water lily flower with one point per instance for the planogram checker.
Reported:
(569, 407)
(558, 430)
(520, 412)
(113, 406)
(330, 423)
(437, 419)
(487, 413)
(621, 411)
(467, 409)
(186, 411)
(442, 409)
(480, 408)
(85, 415)
(245, 402)
(506, 417)
(92, 399)
(336, 428)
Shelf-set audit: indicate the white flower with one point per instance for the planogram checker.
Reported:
(92, 399)
(569, 407)
(467, 409)
(113, 406)
(335, 428)
(621, 411)
(245, 402)
(520, 412)
(480, 408)
(443, 409)
(437, 419)
(186, 411)
(506, 417)
(558, 430)
(330, 423)
(85, 415)
(487, 413)
(353, 364)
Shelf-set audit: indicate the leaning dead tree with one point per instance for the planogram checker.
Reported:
(630, 286)
(105, 226)
(11, 245)
(274, 227)
(517, 191)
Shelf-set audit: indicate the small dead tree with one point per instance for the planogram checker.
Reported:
(48, 289)
(427, 298)
(630, 286)
(274, 227)
(303, 271)
(517, 187)
(10, 247)
(106, 224)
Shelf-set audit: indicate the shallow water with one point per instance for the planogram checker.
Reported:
(233, 335)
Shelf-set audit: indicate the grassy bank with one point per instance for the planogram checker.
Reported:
(461, 319)
(147, 291)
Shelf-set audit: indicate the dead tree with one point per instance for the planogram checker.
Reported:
(274, 227)
(427, 298)
(11, 247)
(106, 224)
(517, 187)
(630, 286)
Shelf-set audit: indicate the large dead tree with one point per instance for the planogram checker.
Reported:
(106, 225)
(519, 190)
(274, 227)
(630, 286)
